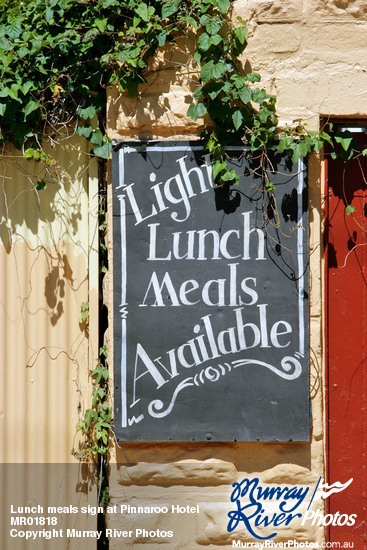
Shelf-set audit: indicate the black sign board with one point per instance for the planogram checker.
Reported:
(210, 297)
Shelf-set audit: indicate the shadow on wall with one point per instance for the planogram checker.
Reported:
(161, 105)
(55, 286)
(347, 184)
(158, 102)
(43, 222)
(160, 108)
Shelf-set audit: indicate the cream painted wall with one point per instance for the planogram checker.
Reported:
(47, 246)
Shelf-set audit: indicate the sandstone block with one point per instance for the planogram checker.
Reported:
(340, 9)
(291, 474)
(270, 10)
(209, 472)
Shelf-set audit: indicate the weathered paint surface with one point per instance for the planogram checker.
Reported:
(347, 343)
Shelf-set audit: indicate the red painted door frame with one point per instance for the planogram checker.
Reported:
(346, 342)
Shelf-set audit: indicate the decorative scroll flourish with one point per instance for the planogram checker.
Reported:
(292, 369)
(210, 373)
(288, 364)
(157, 404)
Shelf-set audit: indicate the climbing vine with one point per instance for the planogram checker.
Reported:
(58, 57)
(96, 422)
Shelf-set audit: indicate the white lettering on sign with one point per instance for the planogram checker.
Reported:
(206, 244)
(177, 190)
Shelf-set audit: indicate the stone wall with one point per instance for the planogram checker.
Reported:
(312, 55)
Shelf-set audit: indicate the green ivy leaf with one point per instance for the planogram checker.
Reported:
(259, 95)
(90, 415)
(237, 119)
(168, 8)
(219, 69)
(103, 151)
(198, 92)
(191, 21)
(239, 81)
(29, 153)
(345, 140)
(350, 209)
(215, 90)
(317, 144)
(24, 88)
(230, 175)
(218, 166)
(201, 109)
(144, 12)
(211, 145)
(326, 137)
(88, 112)
(253, 77)
(216, 39)
(245, 95)
(241, 33)
(31, 106)
(5, 44)
(303, 149)
(11, 91)
(300, 149)
(49, 15)
(162, 38)
(192, 112)
(97, 137)
(90, 35)
(206, 72)
(282, 146)
(101, 24)
(212, 24)
(2, 108)
(40, 185)
(204, 42)
(84, 131)
(80, 426)
(222, 5)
